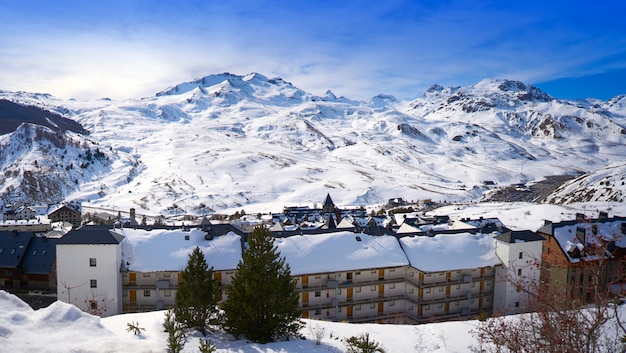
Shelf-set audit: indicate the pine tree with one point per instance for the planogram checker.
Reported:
(262, 301)
(198, 292)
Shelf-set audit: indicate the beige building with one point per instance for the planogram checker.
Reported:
(340, 275)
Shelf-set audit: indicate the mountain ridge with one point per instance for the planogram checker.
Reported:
(230, 141)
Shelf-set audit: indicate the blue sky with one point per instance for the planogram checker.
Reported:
(131, 49)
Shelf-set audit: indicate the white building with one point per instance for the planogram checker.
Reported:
(88, 270)
(520, 252)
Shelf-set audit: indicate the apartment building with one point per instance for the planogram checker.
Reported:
(340, 275)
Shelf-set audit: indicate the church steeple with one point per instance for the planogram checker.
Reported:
(329, 205)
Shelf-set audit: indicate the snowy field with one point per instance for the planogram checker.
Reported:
(62, 327)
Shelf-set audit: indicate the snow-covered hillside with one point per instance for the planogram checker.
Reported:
(230, 142)
(604, 184)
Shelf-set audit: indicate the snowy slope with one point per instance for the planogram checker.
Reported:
(605, 184)
(226, 142)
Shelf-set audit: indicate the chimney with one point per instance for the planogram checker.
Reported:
(132, 213)
(603, 215)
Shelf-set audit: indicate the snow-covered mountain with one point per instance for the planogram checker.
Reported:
(229, 141)
(605, 184)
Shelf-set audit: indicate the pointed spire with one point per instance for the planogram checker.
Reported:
(330, 222)
(329, 205)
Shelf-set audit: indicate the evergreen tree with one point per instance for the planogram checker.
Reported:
(262, 300)
(198, 293)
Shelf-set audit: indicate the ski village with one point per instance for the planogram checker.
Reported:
(403, 267)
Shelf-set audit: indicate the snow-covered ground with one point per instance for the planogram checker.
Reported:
(63, 328)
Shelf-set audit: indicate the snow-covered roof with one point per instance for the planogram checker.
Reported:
(608, 230)
(447, 252)
(168, 250)
(339, 251)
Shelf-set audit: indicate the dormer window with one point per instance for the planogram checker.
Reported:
(92, 261)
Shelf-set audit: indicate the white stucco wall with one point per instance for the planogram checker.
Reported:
(507, 298)
(74, 275)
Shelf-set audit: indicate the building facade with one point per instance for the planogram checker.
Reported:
(89, 267)
(583, 253)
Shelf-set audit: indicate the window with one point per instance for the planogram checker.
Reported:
(517, 304)
(440, 305)
(318, 311)
(519, 271)
(427, 290)
(521, 255)
(93, 283)
(146, 274)
(8, 272)
(318, 293)
(458, 286)
(167, 274)
(427, 307)
(1, 250)
(441, 289)
(92, 261)
(167, 293)
(392, 303)
(125, 293)
(43, 252)
(34, 252)
(358, 307)
(146, 293)
(411, 290)
(357, 289)
(372, 306)
(392, 286)
(373, 288)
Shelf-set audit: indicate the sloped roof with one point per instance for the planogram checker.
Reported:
(328, 201)
(90, 235)
(519, 236)
(594, 231)
(154, 249)
(447, 252)
(13, 245)
(339, 251)
(40, 256)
